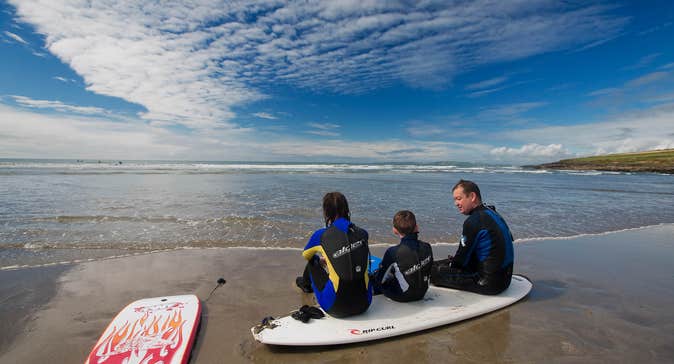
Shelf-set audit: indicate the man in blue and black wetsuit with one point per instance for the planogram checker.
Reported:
(338, 260)
(404, 272)
(483, 263)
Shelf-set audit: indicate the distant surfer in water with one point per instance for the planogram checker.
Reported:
(483, 263)
(337, 262)
(405, 270)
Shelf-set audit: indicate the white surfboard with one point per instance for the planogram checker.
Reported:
(386, 318)
(151, 330)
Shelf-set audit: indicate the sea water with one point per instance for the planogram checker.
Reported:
(65, 210)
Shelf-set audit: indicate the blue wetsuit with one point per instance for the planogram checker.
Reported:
(344, 289)
(483, 263)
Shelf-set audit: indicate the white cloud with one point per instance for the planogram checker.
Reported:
(192, 62)
(26, 134)
(325, 133)
(648, 87)
(57, 106)
(637, 131)
(643, 61)
(648, 79)
(63, 79)
(29, 134)
(265, 115)
(323, 126)
(510, 113)
(492, 85)
(384, 150)
(421, 130)
(323, 129)
(15, 37)
(531, 152)
(485, 92)
(473, 125)
(489, 83)
(604, 91)
(656, 28)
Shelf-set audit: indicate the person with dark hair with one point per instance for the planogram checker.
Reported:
(483, 262)
(338, 262)
(404, 272)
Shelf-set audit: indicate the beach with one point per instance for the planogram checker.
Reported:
(154, 152)
(596, 298)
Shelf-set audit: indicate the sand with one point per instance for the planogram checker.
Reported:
(601, 298)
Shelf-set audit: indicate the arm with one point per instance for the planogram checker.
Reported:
(466, 245)
(313, 245)
(384, 265)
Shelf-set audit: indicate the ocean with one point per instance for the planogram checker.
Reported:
(55, 211)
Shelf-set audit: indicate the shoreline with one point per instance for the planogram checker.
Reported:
(610, 302)
(561, 167)
(439, 245)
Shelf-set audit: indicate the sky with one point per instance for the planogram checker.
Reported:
(503, 82)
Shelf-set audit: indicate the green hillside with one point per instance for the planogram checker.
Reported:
(661, 161)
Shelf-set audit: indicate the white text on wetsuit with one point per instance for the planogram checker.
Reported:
(416, 267)
(347, 248)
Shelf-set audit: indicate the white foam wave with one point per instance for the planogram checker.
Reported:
(20, 166)
(571, 237)
(297, 249)
(54, 166)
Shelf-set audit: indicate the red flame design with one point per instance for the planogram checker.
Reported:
(152, 338)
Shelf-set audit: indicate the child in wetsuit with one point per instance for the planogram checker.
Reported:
(405, 270)
(338, 262)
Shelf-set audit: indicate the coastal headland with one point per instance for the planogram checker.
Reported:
(596, 298)
(656, 161)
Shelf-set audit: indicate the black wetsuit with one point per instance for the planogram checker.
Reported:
(404, 272)
(484, 260)
(344, 289)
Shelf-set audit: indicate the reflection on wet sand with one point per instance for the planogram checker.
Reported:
(577, 312)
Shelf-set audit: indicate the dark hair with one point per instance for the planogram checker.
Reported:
(405, 222)
(468, 187)
(334, 207)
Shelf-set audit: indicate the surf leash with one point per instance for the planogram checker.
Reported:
(221, 281)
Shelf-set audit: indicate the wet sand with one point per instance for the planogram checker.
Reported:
(602, 298)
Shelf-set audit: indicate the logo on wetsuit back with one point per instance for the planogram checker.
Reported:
(416, 267)
(347, 248)
(367, 331)
(463, 240)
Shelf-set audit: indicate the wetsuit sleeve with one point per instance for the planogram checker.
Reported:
(389, 258)
(467, 243)
(313, 245)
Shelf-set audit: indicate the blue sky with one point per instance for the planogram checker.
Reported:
(510, 82)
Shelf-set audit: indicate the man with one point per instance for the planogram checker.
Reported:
(483, 263)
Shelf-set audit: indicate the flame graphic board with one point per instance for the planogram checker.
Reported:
(151, 330)
(386, 318)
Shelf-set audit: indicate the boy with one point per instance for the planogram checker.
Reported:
(405, 270)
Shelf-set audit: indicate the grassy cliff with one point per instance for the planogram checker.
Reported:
(661, 161)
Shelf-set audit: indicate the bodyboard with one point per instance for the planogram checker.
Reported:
(151, 330)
